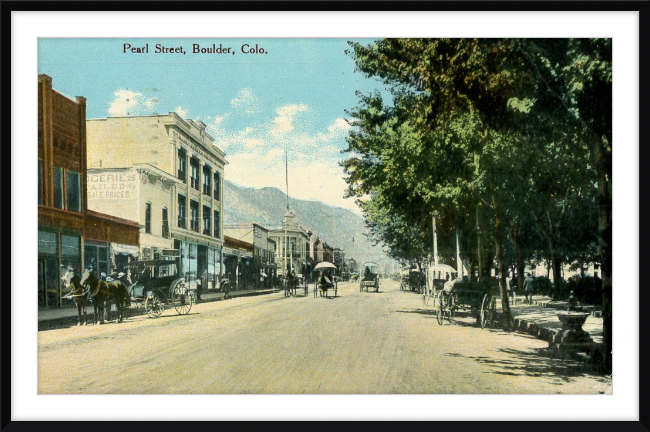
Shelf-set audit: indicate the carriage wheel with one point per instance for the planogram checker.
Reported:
(451, 314)
(483, 317)
(441, 309)
(183, 299)
(153, 306)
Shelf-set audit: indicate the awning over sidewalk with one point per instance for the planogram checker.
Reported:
(122, 249)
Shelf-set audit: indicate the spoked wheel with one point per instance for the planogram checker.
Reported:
(183, 299)
(451, 313)
(441, 309)
(425, 296)
(154, 306)
(484, 319)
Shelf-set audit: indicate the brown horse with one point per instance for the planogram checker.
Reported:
(103, 292)
(78, 293)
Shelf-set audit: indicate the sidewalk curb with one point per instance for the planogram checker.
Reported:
(71, 321)
(553, 337)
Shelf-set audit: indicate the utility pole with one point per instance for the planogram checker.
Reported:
(286, 171)
(435, 240)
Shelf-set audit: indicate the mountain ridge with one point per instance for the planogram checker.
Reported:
(336, 226)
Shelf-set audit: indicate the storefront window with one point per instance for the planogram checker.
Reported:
(47, 243)
(48, 269)
(96, 257)
(73, 191)
(191, 276)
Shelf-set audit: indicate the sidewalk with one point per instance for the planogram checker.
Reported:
(67, 316)
(540, 320)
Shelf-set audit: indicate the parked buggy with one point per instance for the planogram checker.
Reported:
(158, 284)
(475, 297)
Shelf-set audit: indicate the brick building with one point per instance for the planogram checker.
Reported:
(63, 217)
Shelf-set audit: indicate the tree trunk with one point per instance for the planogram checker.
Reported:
(556, 266)
(505, 305)
(519, 260)
(603, 164)
(478, 249)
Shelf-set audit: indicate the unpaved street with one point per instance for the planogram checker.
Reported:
(362, 343)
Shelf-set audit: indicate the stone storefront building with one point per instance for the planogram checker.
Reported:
(178, 172)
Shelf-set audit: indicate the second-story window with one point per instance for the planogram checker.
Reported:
(182, 165)
(207, 176)
(147, 218)
(194, 173)
(182, 211)
(194, 215)
(73, 191)
(206, 220)
(165, 223)
(58, 187)
(217, 223)
(217, 185)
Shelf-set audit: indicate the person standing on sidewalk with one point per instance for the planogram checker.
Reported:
(528, 289)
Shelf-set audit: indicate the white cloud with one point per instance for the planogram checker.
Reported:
(256, 154)
(283, 123)
(128, 102)
(245, 101)
(310, 178)
(181, 111)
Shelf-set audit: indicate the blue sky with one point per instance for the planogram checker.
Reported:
(254, 105)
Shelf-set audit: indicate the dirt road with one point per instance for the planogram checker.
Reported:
(363, 343)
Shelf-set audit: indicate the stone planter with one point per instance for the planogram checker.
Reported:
(572, 337)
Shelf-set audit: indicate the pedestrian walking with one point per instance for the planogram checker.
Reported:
(528, 289)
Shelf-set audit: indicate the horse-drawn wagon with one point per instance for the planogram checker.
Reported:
(293, 284)
(158, 284)
(412, 280)
(476, 297)
(369, 278)
(325, 280)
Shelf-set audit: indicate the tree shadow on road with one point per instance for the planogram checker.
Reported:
(536, 363)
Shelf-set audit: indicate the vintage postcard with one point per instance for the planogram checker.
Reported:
(324, 216)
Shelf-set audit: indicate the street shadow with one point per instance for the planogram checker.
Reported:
(429, 312)
(536, 363)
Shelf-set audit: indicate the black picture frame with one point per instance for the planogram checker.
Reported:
(6, 9)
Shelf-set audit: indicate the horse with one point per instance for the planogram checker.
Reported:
(103, 292)
(78, 293)
(324, 284)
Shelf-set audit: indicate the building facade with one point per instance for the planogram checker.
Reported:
(178, 173)
(293, 246)
(66, 229)
(264, 267)
(238, 263)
